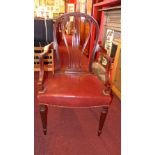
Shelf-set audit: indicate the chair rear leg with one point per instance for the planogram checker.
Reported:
(43, 114)
(102, 119)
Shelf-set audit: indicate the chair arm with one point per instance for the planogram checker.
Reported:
(47, 48)
(103, 52)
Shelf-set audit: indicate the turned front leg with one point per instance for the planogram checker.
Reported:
(43, 114)
(102, 119)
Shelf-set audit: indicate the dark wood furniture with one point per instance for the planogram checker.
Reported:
(74, 85)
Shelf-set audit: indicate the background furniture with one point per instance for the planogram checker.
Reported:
(108, 15)
(74, 85)
(116, 72)
(99, 14)
(43, 35)
(49, 8)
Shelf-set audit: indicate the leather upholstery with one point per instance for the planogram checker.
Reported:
(72, 90)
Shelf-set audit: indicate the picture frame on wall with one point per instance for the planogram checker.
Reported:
(42, 2)
(108, 40)
(49, 2)
(70, 7)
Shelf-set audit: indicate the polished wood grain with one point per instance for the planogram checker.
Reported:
(77, 17)
(41, 70)
(107, 85)
(43, 114)
(102, 119)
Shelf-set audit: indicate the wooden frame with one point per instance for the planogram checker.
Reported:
(47, 67)
(115, 77)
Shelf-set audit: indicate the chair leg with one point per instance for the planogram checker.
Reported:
(43, 114)
(102, 119)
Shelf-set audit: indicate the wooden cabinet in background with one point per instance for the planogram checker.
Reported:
(48, 60)
(116, 72)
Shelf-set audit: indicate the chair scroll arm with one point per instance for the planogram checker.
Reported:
(47, 48)
(107, 86)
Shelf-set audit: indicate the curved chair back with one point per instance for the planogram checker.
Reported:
(75, 50)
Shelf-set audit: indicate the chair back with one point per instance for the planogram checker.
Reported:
(76, 60)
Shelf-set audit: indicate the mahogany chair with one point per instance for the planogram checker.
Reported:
(75, 84)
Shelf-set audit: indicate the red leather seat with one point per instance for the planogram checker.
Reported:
(73, 91)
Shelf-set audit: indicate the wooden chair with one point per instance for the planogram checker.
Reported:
(74, 85)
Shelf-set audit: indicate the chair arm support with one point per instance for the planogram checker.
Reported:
(107, 85)
(47, 48)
